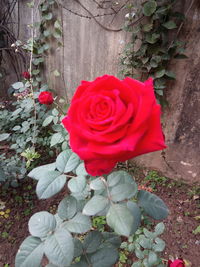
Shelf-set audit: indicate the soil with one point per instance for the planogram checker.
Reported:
(18, 204)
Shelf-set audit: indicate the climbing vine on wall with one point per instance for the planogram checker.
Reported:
(155, 26)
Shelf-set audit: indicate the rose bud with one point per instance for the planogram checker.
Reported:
(176, 263)
(26, 75)
(45, 98)
(110, 120)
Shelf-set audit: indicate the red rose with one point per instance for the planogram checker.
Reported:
(176, 263)
(45, 98)
(26, 75)
(111, 120)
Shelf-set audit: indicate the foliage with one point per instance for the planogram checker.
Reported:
(154, 27)
(146, 245)
(19, 123)
(67, 238)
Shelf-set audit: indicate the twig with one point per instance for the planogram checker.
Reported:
(182, 23)
(104, 27)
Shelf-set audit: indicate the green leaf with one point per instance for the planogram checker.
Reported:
(120, 219)
(46, 47)
(120, 177)
(50, 184)
(145, 242)
(104, 257)
(160, 73)
(78, 224)
(159, 246)
(92, 241)
(152, 38)
(78, 248)
(170, 74)
(41, 224)
(123, 191)
(35, 72)
(56, 138)
(4, 136)
(59, 247)
(97, 184)
(38, 60)
(56, 73)
(81, 171)
(18, 85)
(46, 33)
(112, 239)
(149, 8)
(77, 184)
(147, 27)
(67, 161)
(47, 121)
(152, 258)
(114, 178)
(57, 34)
(72, 163)
(152, 205)
(159, 229)
(135, 211)
(48, 16)
(40, 171)
(169, 25)
(137, 264)
(57, 25)
(62, 159)
(139, 253)
(67, 208)
(180, 56)
(96, 204)
(30, 253)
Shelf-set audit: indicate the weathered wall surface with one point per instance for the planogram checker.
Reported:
(181, 119)
(90, 50)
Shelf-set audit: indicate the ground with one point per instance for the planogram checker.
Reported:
(18, 204)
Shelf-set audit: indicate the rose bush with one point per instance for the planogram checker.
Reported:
(45, 98)
(176, 263)
(110, 120)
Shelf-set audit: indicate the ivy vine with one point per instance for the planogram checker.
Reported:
(154, 43)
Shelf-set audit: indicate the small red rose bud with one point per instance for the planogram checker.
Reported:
(26, 75)
(45, 98)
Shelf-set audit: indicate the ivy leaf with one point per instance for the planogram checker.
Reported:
(160, 73)
(149, 8)
(147, 27)
(170, 75)
(169, 25)
(152, 38)
(48, 16)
